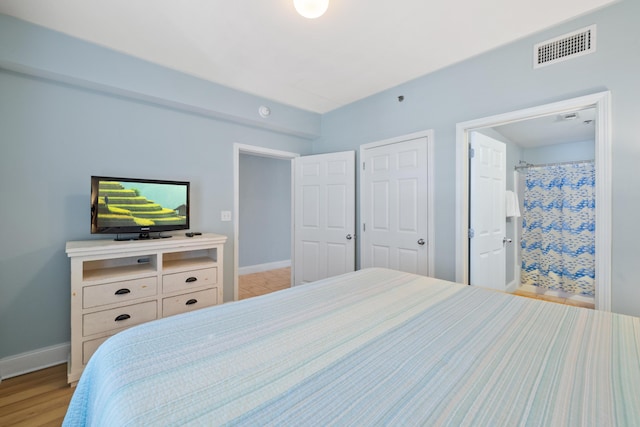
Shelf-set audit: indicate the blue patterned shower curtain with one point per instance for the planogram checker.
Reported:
(558, 228)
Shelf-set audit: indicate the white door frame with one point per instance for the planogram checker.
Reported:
(430, 189)
(255, 151)
(602, 103)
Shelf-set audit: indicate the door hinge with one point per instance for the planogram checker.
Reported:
(471, 233)
(472, 152)
(363, 166)
(364, 227)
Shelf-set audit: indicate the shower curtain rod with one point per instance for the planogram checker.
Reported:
(528, 165)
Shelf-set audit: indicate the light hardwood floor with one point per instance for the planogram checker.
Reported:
(36, 399)
(255, 284)
(41, 398)
(551, 298)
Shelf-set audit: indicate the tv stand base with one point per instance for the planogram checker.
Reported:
(142, 236)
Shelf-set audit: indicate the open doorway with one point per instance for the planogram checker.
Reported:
(550, 226)
(600, 104)
(264, 240)
(276, 202)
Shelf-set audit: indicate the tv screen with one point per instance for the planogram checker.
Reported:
(143, 206)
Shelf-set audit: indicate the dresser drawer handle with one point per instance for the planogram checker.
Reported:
(122, 317)
(122, 291)
(191, 301)
(191, 279)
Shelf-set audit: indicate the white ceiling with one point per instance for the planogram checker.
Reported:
(358, 48)
(550, 130)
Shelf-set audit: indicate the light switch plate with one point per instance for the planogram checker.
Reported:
(225, 215)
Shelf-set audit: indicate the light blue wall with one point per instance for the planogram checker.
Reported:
(504, 80)
(58, 128)
(265, 210)
(569, 152)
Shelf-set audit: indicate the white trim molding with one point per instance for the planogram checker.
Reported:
(35, 360)
(602, 103)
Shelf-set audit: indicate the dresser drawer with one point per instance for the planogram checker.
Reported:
(189, 280)
(118, 318)
(90, 347)
(189, 302)
(127, 290)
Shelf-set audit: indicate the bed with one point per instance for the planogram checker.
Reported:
(373, 347)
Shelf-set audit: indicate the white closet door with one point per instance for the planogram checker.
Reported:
(394, 206)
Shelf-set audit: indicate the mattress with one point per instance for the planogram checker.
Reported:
(373, 347)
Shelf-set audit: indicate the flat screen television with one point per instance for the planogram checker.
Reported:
(145, 207)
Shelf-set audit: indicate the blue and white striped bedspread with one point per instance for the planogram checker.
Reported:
(374, 347)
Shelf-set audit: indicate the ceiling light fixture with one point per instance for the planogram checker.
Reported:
(311, 8)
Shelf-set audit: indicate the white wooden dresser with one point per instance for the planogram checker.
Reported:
(116, 285)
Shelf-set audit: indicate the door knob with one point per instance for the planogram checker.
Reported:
(421, 242)
(505, 240)
(349, 237)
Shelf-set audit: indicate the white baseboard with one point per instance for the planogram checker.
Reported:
(263, 267)
(512, 286)
(35, 360)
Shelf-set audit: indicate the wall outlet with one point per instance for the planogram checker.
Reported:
(225, 215)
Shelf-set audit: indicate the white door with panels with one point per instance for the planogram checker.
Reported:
(324, 216)
(394, 204)
(487, 221)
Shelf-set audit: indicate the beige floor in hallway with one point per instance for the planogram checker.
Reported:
(255, 284)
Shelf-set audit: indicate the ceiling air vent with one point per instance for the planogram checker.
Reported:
(567, 46)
